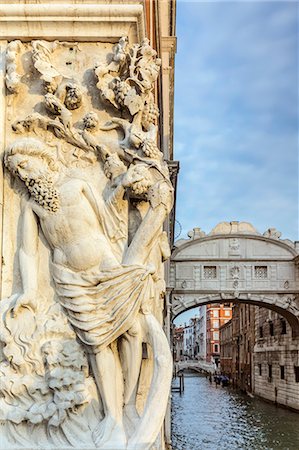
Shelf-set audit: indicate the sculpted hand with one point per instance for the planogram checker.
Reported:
(133, 175)
(26, 300)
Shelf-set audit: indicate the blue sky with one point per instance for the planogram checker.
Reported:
(236, 114)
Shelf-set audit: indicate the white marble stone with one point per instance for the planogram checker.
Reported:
(86, 193)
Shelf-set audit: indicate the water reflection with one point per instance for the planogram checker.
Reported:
(207, 418)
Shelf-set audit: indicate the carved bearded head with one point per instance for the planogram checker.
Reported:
(28, 158)
(32, 163)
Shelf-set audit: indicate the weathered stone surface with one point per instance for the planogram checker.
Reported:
(86, 193)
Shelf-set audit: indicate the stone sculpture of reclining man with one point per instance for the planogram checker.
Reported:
(102, 294)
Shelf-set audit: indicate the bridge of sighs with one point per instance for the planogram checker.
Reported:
(235, 263)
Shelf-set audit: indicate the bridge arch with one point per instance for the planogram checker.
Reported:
(286, 306)
(236, 264)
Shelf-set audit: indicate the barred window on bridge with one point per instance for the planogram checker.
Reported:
(209, 272)
(261, 272)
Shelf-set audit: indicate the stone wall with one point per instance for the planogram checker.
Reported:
(276, 357)
(260, 355)
(226, 351)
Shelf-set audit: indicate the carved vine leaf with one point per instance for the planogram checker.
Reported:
(127, 82)
(36, 121)
(133, 102)
(104, 84)
(129, 79)
(41, 55)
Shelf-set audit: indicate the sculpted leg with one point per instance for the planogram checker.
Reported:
(110, 435)
(131, 358)
(155, 407)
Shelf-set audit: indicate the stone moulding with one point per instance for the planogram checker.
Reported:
(88, 22)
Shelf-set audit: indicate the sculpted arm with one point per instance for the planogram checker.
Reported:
(28, 258)
(94, 200)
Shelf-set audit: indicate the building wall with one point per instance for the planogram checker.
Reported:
(236, 344)
(226, 348)
(260, 355)
(189, 341)
(178, 344)
(190, 344)
(187, 333)
(276, 360)
(243, 332)
(217, 315)
(202, 333)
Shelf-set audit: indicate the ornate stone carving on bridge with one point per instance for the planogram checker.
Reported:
(235, 274)
(196, 233)
(234, 247)
(89, 192)
(272, 233)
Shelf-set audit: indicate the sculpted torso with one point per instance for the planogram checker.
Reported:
(74, 232)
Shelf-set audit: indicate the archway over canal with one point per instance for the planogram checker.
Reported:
(235, 263)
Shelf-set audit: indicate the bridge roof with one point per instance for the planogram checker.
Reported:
(234, 240)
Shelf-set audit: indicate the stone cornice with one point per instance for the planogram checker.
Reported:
(88, 22)
(286, 244)
(169, 43)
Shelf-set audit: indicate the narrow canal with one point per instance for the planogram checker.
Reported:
(208, 418)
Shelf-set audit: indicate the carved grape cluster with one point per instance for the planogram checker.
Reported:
(73, 97)
(150, 149)
(149, 115)
(12, 77)
(140, 187)
(50, 86)
(90, 121)
(121, 89)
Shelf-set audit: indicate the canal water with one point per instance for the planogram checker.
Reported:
(208, 418)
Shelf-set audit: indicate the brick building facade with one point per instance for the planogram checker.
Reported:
(216, 316)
